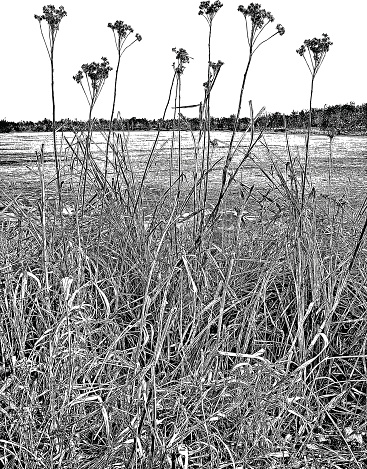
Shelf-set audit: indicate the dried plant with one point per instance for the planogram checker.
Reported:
(313, 51)
(96, 75)
(182, 57)
(208, 11)
(53, 17)
(257, 19)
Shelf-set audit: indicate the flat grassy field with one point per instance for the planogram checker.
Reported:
(137, 328)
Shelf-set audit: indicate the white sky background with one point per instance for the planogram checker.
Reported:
(278, 77)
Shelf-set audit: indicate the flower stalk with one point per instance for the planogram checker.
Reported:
(53, 17)
(208, 11)
(257, 19)
(95, 75)
(121, 33)
(313, 52)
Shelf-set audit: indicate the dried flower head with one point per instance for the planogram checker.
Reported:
(209, 10)
(96, 74)
(260, 18)
(182, 58)
(301, 51)
(317, 48)
(280, 29)
(257, 15)
(52, 16)
(121, 28)
(78, 77)
(121, 32)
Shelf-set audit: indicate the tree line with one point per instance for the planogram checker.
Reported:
(341, 118)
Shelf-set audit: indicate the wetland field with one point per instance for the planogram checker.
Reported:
(183, 299)
(19, 169)
(142, 317)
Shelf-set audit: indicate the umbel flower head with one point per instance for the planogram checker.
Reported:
(121, 28)
(317, 49)
(280, 29)
(259, 19)
(257, 15)
(96, 72)
(121, 32)
(182, 58)
(209, 10)
(52, 16)
(96, 75)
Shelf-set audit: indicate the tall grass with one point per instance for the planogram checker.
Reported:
(236, 342)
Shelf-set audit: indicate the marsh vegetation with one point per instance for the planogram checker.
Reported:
(183, 299)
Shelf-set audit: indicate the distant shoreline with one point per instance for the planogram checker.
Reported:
(352, 133)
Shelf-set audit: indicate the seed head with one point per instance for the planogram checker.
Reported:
(318, 47)
(96, 72)
(52, 15)
(301, 51)
(121, 28)
(78, 77)
(281, 29)
(182, 58)
(209, 10)
(257, 15)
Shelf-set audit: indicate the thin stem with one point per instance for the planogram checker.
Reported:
(229, 155)
(153, 148)
(207, 117)
(304, 58)
(307, 142)
(265, 40)
(111, 123)
(90, 91)
(261, 30)
(123, 50)
(179, 137)
(58, 180)
(86, 156)
(54, 124)
(44, 40)
(329, 175)
(313, 65)
(88, 99)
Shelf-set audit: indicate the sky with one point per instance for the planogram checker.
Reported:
(278, 77)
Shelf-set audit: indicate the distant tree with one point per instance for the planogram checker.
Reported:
(132, 123)
(6, 127)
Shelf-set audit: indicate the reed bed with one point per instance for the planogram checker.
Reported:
(178, 327)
